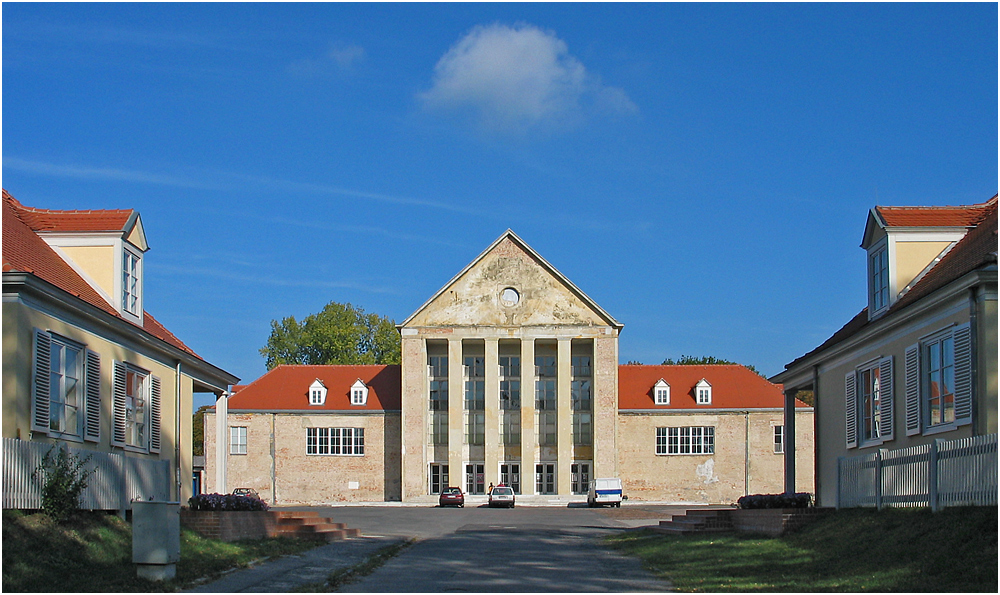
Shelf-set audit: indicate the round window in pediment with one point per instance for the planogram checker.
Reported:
(509, 297)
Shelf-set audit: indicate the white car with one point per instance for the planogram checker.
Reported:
(502, 496)
(605, 492)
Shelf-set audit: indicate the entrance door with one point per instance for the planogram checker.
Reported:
(510, 475)
(438, 477)
(580, 477)
(545, 478)
(474, 475)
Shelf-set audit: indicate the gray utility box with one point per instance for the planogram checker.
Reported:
(156, 539)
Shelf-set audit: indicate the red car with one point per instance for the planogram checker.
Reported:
(452, 497)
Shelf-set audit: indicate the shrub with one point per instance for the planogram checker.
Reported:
(800, 500)
(226, 502)
(63, 480)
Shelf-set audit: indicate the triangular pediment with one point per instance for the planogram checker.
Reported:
(136, 235)
(509, 284)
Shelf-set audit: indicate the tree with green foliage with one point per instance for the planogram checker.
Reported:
(198, 431)
(338, 334)
(690, 360)
(64, 477)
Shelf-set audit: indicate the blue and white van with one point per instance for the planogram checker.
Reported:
(605, 491)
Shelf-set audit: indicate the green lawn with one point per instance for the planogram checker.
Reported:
(849, 550)
(93, 553)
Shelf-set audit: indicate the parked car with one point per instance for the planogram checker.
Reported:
(502, 496)
(605, 491)
(452, 497)
(246, 492)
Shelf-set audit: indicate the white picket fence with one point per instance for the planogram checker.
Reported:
(940, 474)
(116, 481)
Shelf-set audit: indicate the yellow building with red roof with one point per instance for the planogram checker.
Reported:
(86, 367)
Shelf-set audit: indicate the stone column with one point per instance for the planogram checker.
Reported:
(413, 416)
(529, 436)
(456, 414)
(492, 413)
(221, 441)
(605, 399)
(564, 417)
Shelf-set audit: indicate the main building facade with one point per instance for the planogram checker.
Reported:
(509, 375)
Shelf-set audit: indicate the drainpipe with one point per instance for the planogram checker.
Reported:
(746, 454)
(274, 477)
(974, 355)
(177, 428)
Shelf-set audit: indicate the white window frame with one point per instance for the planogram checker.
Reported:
(858, 416)
(583, 428)
(347, 442)
(581, 474)
(237, 440)
(439, 427)
(685, 440)
(703, 392)
(661, 392)
(475, 478)
(879, 290)
(137, 401)
(437, 478)
(59, 384)
(918, 380)
(131, 289)
(548, 428)
(545, 477)
(317, 393)
(510, 475)
(359, 393)
(779, 439)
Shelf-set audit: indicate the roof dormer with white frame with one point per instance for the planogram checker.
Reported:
(317, 393)
(903, 244)
(703, 392)
(107, 253)
(359, 393)
(661, 392)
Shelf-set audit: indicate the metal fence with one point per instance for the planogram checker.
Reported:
(116, 481)
(940, 474)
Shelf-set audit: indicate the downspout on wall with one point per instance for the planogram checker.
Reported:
(177, 429)
(746, 453)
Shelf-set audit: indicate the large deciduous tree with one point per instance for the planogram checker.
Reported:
(338, 334)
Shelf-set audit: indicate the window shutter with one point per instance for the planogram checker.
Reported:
(963, 374)
(912, 374)
(118, 416)
(41, 382)
(851, 410)
(154, 415)
(885, 396)
(92, 430)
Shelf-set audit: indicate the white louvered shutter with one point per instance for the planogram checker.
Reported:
(963, 374)
(154, 414)
(118, 416)
(41, 382)
(912, 392)
(92, 427)
(885, 396)
(851, 410)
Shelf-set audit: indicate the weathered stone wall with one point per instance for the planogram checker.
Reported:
(744, 461)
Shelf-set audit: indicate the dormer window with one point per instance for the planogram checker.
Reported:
(703, 392)
(359, 393)
(317, 393)
(131, 282)
(878, 279)
(661, 392)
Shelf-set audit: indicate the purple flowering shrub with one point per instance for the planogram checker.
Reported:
(226, 502)
(799, 500)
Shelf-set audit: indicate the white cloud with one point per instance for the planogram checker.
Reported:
(519, 77)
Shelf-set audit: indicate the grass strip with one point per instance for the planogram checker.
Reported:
(858, 550)
(93, 553)
(350, 574)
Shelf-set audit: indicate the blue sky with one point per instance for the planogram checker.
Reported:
(703, 172)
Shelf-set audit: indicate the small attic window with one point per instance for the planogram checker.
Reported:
(703, 392)
(359, 393)
(661, 392)
(317, 393)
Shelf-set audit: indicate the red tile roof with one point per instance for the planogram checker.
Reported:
(977, 249)
(24, 251)
(286, 387)
(956, 216)
(733, 387)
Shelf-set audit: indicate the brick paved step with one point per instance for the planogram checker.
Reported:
(308, 524)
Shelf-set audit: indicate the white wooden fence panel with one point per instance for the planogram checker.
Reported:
(116, 481)
(944, 473)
